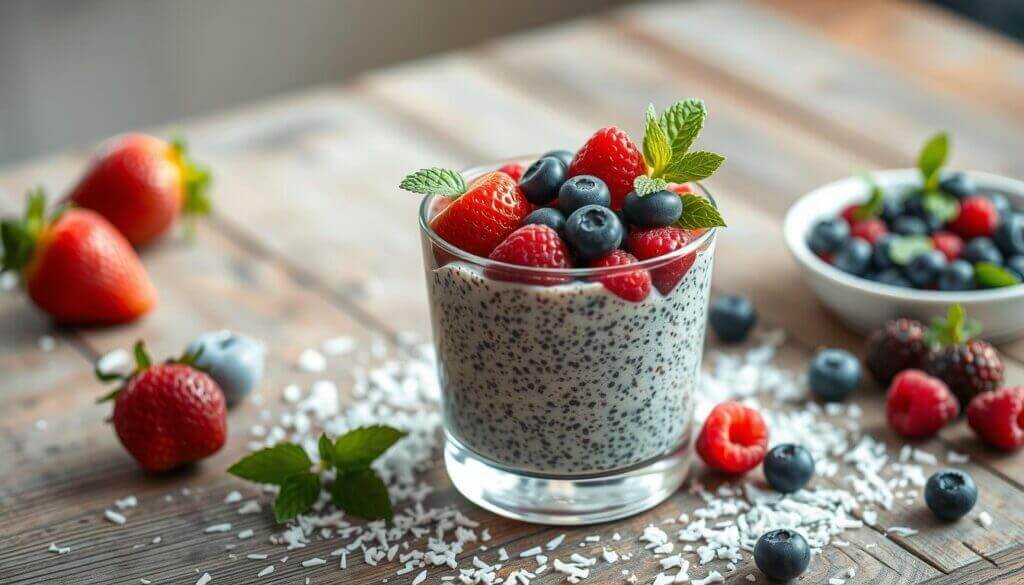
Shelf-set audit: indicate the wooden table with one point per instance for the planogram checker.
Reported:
(311, 239)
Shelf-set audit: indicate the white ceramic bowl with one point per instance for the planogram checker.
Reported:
(865, 305)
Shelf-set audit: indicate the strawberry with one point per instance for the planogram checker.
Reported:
(533, 245)
(978, 218)
(651, 243)
(514, 170)
(77, 267)
(612, 157)
(169, 414)
(632, 286)
(141, 184)
(480, 215)
(869, 230)
(950, 244)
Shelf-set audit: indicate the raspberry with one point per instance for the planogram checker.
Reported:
(612, 157)
(950, 244)
(654, 242)
(998, 417)
(899, 345)
(532, 245)
(734, 438)
(978, 217)
(869, 230)
(631, 286)
(514, 170)
(848, 214)
(918, 405)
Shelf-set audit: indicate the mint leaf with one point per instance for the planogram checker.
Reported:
(326, 449)
(698, 213)
(875, 204)
(435, 181)
(955, 329)
(989, 275)
(358, 448)
(657, 150)
(298, 493)
(693, 166)
(903, 249)
(644, 185)
(941, 205)
(272, 465)
(362, 493)
(683, 123)
(933, 156)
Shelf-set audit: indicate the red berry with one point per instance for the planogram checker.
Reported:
(532, 245)
(848, 214)
(679, 188)
(998, 417)
(978, 217)
(654, 242)
(919, 405)
(734, 438)
(631, 286)
(514, 170)
(950, 244)
(612, 157)
(483, 216)
(869, 230)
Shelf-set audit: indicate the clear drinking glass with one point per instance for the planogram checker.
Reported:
(563, 403)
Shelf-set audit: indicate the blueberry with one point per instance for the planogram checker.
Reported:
(834, 374)
(732, 317)
(583, 190)
(892, 207)
(958, 185)
(1000, 202)
(542, 179)
(234, 361)
(548, 216)
(788, 467)
(653, 210)
(892, 277)
(880, 254)
(782, 554)
(958, 275)
(950, 494)
(982, 250)
(910, 225)
(1009, 235)
(923, 270)
(914, 206)
(593, 231)
(854, 257)
(565, 156)
(828, 235)
(1016, 264)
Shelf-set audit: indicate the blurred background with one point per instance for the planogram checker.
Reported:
(75, 71)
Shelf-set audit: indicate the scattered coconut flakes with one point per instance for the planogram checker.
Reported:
(420, 578)
(900, 531)
(954, 458)
(244, 534)
(41, 424)
(751, 577)
(713, 577)
(233, 497)
(46, 343)
(61, 550)
(266, 571)
(215, 528)
(663, 579)
(8, 281)
(250, 507)
(115, 517)
(836, 581)
(338, 345)
(118, 361)
(313, 562)
(609, 556)
(206, 578)
(145, 581)
(311, 360)
(985, 519)
(531, 552)
(126, 503)
(555, 542)
(157, 540)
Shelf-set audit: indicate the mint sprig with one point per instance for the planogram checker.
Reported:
(644, 185)
(435, 181)
(698, 213)
(357, 489)
(933, 155)
(941, 205)
(903, 249)
(989, 275)
(875, 204)
(955, 329)
(657, 148)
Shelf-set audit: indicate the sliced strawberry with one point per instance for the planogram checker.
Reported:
(532, 245)
(651, 243)
(486, 214)
(612, 157)
(632, 286)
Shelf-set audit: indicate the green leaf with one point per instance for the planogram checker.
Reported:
(875, 204)
(362, 493)
(435, 181)
(272, 465)
(698, 213)
(943, 206)
(358, 448)
(644, 185)
(298, 493)
(683, 123)
(933, 156)
(989, 275)
(142, 360)
(657, 150)
(903, 249)
(693, 166)
(955, 329)
(18, 236)
(326, 448)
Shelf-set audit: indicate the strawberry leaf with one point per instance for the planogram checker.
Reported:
(875, 204)
(18, 236)
(142, 360)
(272, 465)
(933, 156)
(657, 150)
(326, 449)
(362, 493)
(435, 181)
(903, 249)
(698, 213)
(683, 123)
(644, 185)
(989, 275)
(693, 166)
(358, 448)
(298, 493)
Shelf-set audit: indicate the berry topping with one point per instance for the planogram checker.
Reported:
(950, 494)
(950, 244)
(658, 209)
(924, 269)
(982, 250)
(978, 217)
(958, 185)
(542, 179)
(891, 277)
(997, 417)
(849, 214)
(632, 286)
(854, 257)
(734, 438)
(514, 170)
(593, 232)
(910, 225)
(732, 317)
(919, 405)
(958, 275)
(582, 190)
(548, 216)
(833, 374)
(899, 345)
(788, 467)
(968, 366)
(536, 246)
(880, 254)
(651, 243)
(828, 236)
(565, 156)
(610, 155)
(869, 230)
(782, 554)
(1010, 235)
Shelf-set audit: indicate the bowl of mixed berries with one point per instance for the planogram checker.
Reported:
(909, 242)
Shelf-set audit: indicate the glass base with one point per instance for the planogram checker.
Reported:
(568, 502)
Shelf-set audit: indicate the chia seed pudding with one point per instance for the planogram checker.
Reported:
(567, 380)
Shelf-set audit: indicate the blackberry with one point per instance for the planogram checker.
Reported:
(968, 366)
(899, 345)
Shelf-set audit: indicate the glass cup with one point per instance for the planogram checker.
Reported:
(563, 403)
